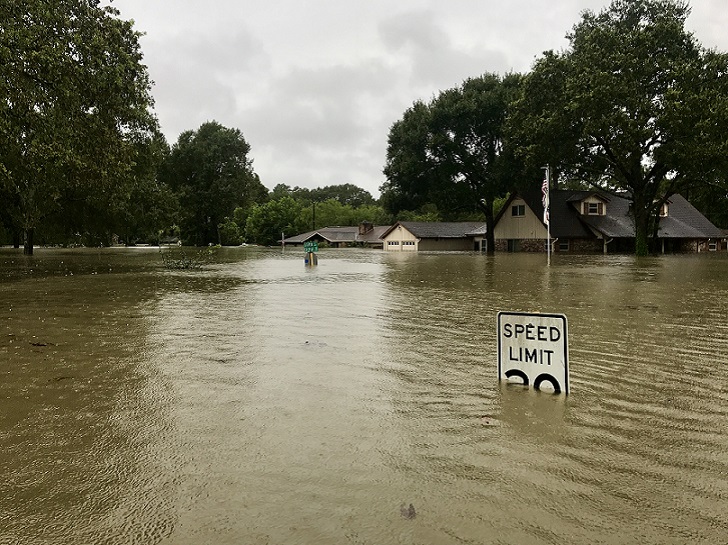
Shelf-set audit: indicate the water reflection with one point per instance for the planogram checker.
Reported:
(260, 401)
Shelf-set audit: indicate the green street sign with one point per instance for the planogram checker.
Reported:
(310, 246)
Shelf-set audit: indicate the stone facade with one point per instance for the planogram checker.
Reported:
(533, 245)
(584, 246)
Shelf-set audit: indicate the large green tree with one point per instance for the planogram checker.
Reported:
(145, 205)
(634, 104)
(212, 174)
(453, 152)
(410, 173)
(269, 221)
(74, 95)
(348, 194)
(133, 210)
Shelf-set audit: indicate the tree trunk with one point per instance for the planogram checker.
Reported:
(487, 208)
(641, 231)
(490, 235)
(28, 242)
(642, 246)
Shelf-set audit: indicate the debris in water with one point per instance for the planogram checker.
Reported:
(408, 512)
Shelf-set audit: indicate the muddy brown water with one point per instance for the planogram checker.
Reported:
(262, 402)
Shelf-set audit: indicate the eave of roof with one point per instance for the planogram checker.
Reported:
(683, 219)
(340, 235)
(440, 229)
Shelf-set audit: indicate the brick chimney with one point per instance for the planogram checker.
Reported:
(365, 227)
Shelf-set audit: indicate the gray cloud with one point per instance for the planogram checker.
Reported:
(314, 86)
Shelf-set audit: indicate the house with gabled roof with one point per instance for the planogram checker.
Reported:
(364, 234)
(595, 221)
(417, 236)
(402, 236)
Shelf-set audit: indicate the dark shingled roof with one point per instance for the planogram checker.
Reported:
(330, 234)
(340, 235)
(375, 235)
(565, 222)
(683, 219)
(617, 223)
(441, 229)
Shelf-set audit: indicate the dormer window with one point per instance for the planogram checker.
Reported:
(663, 210)
(593, 209)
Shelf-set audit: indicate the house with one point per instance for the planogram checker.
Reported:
(416, 236)
(365, 234)
(594, 221)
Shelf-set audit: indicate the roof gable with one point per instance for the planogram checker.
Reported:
(683, 220)
(566, 221)
(581, 196)
(440, 229)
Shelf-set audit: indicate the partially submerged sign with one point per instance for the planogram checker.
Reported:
(310, 246)
(534, 348)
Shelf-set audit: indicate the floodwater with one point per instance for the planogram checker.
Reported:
(258, 401)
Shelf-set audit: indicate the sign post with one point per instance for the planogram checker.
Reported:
(534, 348)
(310, 247)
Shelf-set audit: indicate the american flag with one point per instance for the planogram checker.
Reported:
(545, 199)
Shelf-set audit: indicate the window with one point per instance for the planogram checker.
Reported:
(518, 210)
(712, 246)
(563, 246)
(393, 243)
(593, 209)
(408, 243)
(663, 210)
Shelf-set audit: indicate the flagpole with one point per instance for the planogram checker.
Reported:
(548, 200)
(545, 190)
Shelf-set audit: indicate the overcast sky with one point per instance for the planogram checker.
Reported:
(315, 85)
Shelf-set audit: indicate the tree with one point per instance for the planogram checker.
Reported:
(212, 175)
(409, 172)
(148, 206)
(712, 201)
(372, 213)
(283, 190)
(345, 193)
(268, 221)
(452, 152)
(133, 210)
(73, 96)
(635, 104)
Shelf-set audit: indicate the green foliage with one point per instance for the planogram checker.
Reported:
(300, 194)
(498, 203)
(291, 211)
(372, 213)
(75, 99)
(712, 201)
(346, 194)
(267, 221)
(410, 173)
(635, 104)
(211, 174)
(333, 213)
(151, 205)
(453, 151)
(230, 233)
(427, 212)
